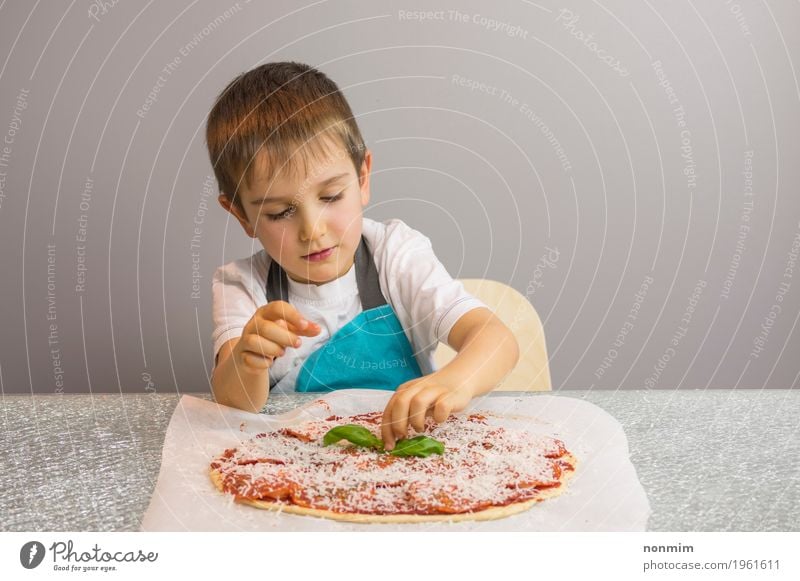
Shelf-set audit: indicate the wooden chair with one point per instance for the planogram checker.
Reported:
(532, 372)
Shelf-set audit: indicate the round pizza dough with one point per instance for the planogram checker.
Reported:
(491, 513)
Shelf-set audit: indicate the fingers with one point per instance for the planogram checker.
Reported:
(396, 423)
(275, 310)
(411, 403)
(419, 406)
(311, 330)
(275, 327)
(281, 310)
(293, 322)
(442, 409)
(271, 331)
(257, 352)
(256, 362)
(387, 434)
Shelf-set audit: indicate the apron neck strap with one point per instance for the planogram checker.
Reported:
(369, 288)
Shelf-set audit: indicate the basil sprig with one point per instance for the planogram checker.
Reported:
(421, 446)
(358, 435)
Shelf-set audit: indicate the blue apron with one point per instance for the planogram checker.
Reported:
(371, 351)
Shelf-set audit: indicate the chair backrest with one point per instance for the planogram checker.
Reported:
(532, 372)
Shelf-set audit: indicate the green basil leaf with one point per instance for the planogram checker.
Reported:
(358, 435)
(421, 446)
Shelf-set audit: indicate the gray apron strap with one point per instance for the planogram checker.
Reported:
(369, 287)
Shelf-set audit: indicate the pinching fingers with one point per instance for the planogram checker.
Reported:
(420, 404)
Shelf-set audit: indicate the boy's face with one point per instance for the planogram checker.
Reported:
(311, 225)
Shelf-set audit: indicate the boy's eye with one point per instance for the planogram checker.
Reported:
(287, 213)
(333, 198)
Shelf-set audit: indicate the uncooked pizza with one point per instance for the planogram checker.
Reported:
(462, 469)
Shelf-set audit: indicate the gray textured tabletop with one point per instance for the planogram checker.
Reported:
(709, 460)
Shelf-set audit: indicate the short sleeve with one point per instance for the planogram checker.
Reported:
(235, 297)
(432, 299)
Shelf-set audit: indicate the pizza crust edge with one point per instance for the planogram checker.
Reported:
(491, 513)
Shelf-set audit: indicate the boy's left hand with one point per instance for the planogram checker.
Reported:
(430, 395)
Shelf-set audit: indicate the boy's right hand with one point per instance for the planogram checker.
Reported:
(273, 328)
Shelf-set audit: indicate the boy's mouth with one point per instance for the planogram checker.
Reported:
(321, 255)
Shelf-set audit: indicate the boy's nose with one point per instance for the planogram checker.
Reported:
(312, 229)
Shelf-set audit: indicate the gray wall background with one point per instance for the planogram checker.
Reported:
(631, 167)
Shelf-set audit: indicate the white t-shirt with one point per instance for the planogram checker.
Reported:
(426, 299)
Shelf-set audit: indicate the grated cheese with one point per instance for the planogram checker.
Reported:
(483, 465)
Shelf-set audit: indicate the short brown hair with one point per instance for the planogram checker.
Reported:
(273, 116)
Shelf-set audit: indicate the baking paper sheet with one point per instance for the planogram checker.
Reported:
(604, 495)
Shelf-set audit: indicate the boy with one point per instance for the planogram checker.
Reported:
(370, 300)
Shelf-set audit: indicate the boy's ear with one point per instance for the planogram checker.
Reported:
(234, 209)
(363, 177)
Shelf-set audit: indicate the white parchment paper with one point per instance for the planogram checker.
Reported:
(604, 495)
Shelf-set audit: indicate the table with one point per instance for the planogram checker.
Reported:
(709, 460)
